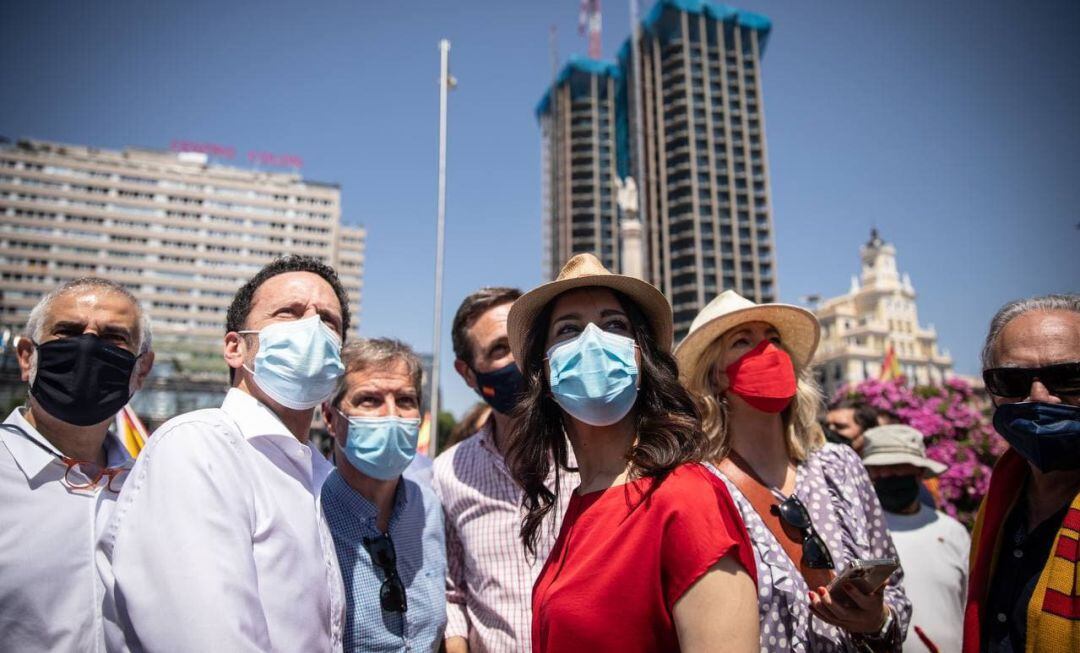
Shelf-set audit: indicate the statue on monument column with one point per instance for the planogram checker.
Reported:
(626, 196)
(632, 246)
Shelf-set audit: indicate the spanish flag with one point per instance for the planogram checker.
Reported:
(130, 430)
(890, 367)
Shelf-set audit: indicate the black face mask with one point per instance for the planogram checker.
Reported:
(502, 388)
(897, 493)
(834, 437)
(82, 380)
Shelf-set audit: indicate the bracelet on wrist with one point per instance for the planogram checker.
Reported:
(882, 632)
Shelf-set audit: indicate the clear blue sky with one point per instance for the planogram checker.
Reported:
(952, 127)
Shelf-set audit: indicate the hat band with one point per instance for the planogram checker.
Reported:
(895, 449)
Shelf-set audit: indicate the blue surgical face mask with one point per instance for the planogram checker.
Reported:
(1047, 435)
(298, 362)
(594, 376)
(381, 447)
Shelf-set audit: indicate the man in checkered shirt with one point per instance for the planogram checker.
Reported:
(489, 577)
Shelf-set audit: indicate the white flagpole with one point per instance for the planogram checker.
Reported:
(444, 87)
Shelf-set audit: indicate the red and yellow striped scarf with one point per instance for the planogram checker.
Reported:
(1053, 615)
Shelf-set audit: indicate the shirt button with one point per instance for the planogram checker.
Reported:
(1002, 618)
(1017, 553)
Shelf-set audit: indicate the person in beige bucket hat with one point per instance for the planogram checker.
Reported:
(932, 546)
(661, 550)
(899, 444)
(809, 506)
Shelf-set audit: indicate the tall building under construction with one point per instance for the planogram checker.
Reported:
(577, 120)
(705, 197)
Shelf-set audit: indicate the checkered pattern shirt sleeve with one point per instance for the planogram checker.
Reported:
(489, 577)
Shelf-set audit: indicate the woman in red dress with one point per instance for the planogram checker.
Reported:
(652, 554)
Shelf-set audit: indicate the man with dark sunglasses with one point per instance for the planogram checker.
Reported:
(387, 528)
(1023, 593)
(85, 351)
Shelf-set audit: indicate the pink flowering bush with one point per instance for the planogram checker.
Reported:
(958, 433)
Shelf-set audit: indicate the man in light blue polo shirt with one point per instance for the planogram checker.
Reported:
(387, 529)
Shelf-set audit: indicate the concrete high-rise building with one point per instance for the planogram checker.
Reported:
(877, 314)
(181, 233)
(577, 121)
(706, 211)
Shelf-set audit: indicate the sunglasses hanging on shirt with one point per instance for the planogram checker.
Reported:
(794, 513)
(392, 593)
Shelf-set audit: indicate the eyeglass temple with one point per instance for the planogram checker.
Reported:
(12, 428)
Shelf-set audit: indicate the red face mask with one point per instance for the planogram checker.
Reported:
(764, 377)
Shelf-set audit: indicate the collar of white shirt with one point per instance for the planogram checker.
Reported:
(32, 459)
(253, 417)
(256, 420)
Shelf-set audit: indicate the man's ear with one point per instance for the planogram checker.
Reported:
(24, 350)
(466, 373)
(234, 350)
(142, 369)
(328, 418)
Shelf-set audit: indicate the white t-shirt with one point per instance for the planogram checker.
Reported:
(933, 549)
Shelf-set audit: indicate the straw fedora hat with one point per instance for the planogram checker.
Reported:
(581, 271)
(799, 329)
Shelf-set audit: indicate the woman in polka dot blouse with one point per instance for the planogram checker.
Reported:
(809, 507)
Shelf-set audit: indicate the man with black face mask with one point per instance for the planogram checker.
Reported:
(1025, 569)
(85, 351)
(932, 546)
(489, 579)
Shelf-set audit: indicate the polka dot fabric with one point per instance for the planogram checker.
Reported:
(835, 488)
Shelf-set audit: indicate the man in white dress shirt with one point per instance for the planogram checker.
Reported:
(85, 351)
(217, 542)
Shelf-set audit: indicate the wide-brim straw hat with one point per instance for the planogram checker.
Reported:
(799, 329)
(584, 271)
(898, 444)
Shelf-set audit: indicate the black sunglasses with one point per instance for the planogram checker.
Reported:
(392, 592)
(815, 553)
(1060, 379)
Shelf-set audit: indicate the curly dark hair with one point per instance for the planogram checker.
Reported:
(240, 307)
(668, 428)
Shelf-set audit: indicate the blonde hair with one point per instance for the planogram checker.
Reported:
(803, 433)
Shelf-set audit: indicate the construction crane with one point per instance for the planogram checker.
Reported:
(589, 23)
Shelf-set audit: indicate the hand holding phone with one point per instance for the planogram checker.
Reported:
(868, 576)
(854, 600)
